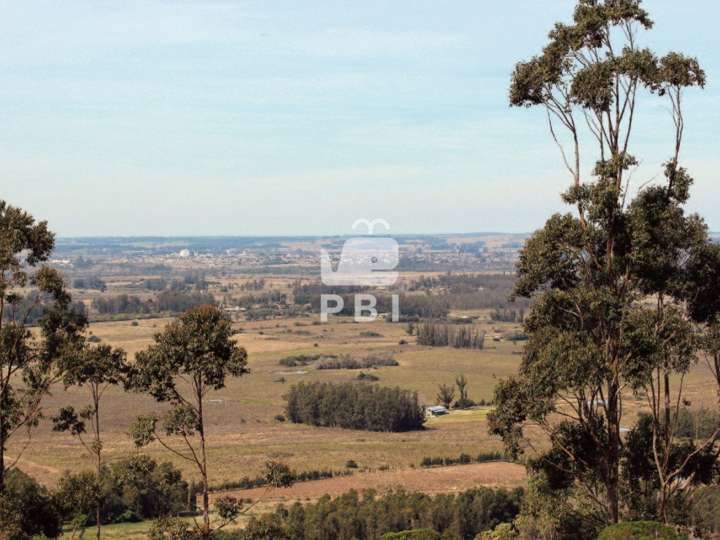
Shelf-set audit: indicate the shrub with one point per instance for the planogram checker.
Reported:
(369, 377)
(27, 509)
(279, 418)
(132, 489)
(705, 511)
(351, 464)
(640, 530)
(369, 333)
(302, 359)
(347, 362)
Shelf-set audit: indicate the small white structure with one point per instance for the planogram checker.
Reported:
(437, 410)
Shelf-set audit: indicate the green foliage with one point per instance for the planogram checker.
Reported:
(462, 459)
(550, 513)
(192, 356)
(27, 509)
(638, 469)
(705, 511)
(348, 362)
(198, 345)
(28, 291)
(354, 406)
(302, 359)
(463, 402)
(132, 489)
(590, 331)
(460, 336)
(165, 302)
(92, 282)
(445, 395)
(372, 517)
(285, 477)
(640, 530)
(171, 528)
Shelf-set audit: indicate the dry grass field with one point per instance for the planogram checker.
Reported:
(452, 479)
(243, 431)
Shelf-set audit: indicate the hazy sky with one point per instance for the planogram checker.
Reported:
(297, 117)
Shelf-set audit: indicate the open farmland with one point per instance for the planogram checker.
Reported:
(244, 432)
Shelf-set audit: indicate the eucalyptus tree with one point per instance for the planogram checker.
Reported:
(191, 357)
(31, 293)
(97, 368)
(627, 267)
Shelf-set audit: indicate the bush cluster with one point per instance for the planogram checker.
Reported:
(132, 489)
(302, 359)
(354, 406)
(460, 336)
(348, 362)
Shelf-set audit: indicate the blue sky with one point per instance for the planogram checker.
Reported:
(287, 117)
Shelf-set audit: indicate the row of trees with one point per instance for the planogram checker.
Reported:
(354, 406)
(369, 516)
(460, 336)
(167, 301)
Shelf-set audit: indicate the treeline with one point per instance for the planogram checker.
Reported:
(253, 285)
(354, 406)
(189, 281)
(348, 362)
(92, 282)
(460, 336)
(263, 313)
(471, 291)
(295, 476)
(462, 459)
(29, 309)
(167, 301)
(508, 315)
(370, 516)
(269, 298)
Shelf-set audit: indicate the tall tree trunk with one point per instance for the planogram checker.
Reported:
(203, 469)
(613, 456)
(2, 460)
(98, 450)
